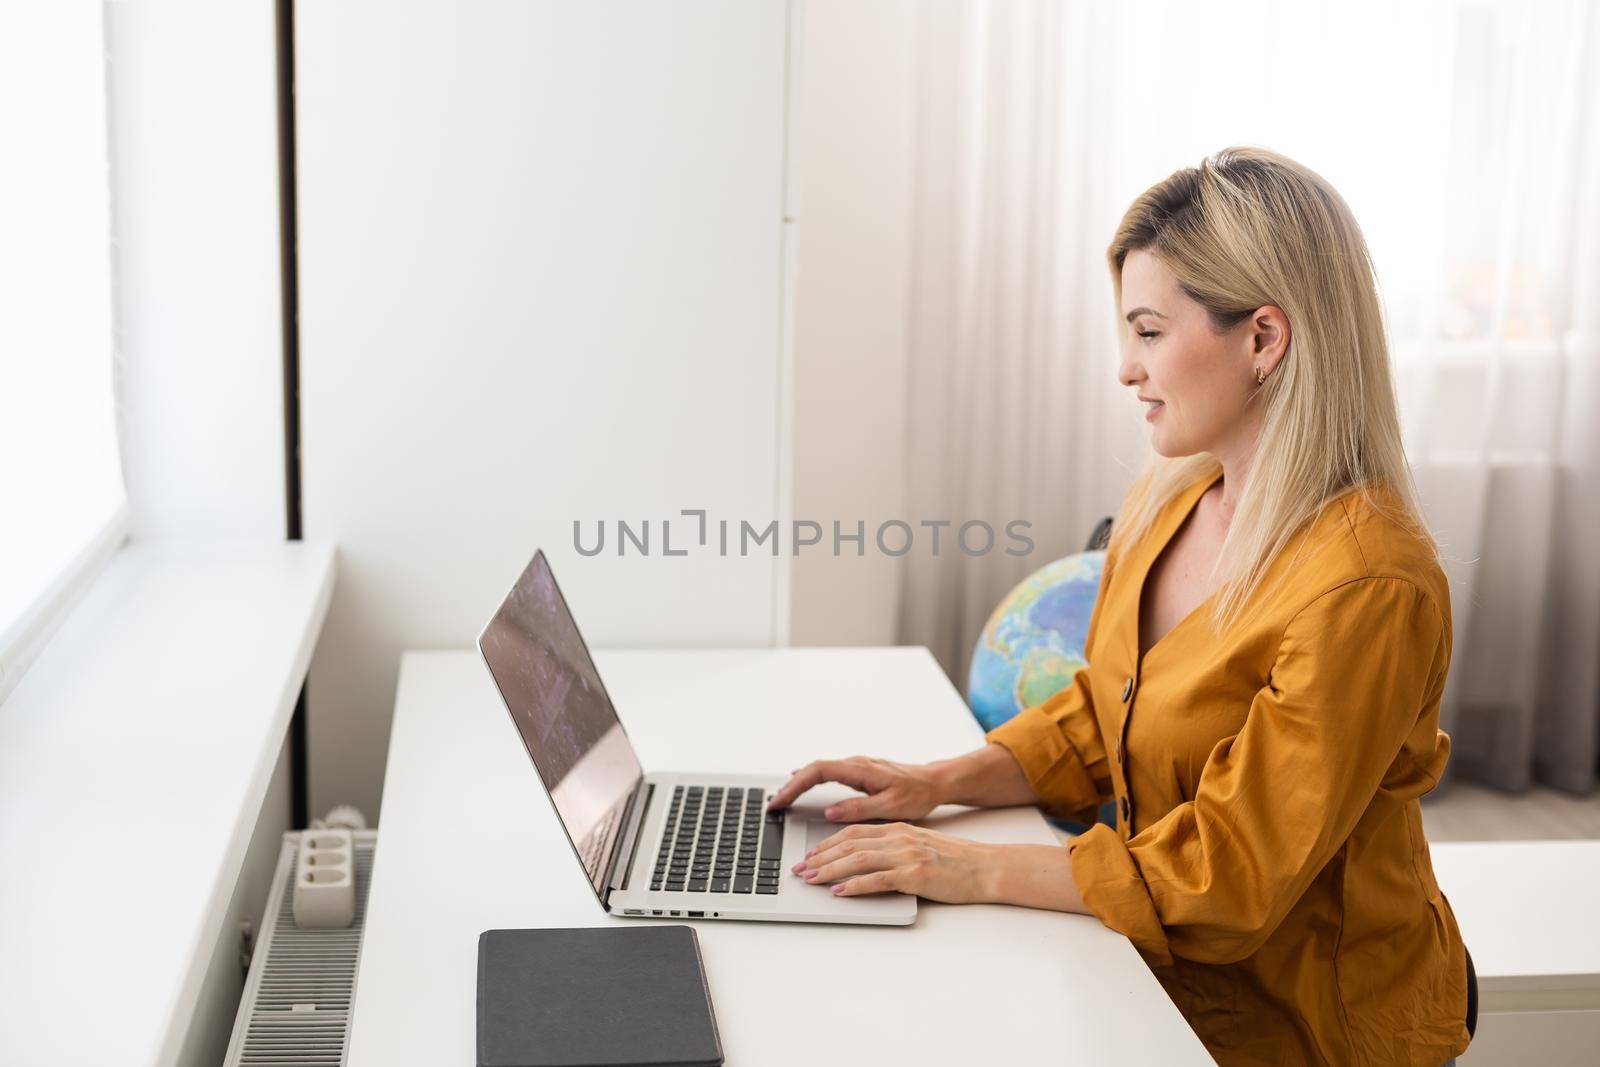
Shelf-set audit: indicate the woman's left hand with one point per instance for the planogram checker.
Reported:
(898, 857)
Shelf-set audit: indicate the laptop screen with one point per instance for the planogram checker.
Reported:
(550, 686)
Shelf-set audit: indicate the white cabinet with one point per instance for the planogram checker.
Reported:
(1526, 912)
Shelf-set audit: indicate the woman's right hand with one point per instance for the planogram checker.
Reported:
(894, 790)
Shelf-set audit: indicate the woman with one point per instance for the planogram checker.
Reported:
(1266, 657)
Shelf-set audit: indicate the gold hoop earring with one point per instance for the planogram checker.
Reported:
(1261, 375)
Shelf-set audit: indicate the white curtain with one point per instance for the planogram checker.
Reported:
(1499, 349)
(1013, 410)
(1465, 134)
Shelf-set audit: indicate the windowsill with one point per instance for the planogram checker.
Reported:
(134, 757)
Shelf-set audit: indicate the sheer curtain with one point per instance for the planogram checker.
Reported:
(1499, 347)
(1466, 138)
(1013, 408)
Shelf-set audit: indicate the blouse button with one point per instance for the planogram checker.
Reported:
(1127, 690)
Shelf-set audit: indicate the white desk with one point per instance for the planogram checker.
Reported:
(468, 842)
(134, 756)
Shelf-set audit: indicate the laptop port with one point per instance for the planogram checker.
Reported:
(633, 911)
(697, 915)
(655, 911)
(674, 911)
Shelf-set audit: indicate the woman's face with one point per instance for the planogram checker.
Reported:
(1195, 384)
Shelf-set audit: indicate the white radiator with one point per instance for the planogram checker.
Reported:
(296, 1003)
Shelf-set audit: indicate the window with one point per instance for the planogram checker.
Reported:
(62, 507)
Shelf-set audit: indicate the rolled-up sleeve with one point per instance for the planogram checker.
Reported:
(1215, 876)
(1058, 743)
(1059, 747)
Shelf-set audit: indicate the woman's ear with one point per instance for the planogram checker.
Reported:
(1269, 338)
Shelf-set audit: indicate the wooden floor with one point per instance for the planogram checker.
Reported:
(1463, 812)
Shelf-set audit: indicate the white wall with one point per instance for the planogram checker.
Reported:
(540, 250)
(854, 147)
(194, 163)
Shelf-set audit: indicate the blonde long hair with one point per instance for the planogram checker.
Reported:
(1245, 229)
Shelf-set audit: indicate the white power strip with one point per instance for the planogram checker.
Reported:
(324, 880)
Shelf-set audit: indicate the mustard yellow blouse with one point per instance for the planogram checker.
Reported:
(1268, 861)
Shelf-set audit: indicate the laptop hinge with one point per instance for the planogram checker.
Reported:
(627, 842)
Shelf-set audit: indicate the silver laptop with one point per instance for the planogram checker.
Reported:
(653, 845)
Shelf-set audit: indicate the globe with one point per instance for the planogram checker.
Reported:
(1033, 643)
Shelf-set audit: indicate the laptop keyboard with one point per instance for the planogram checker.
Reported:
(719, 840)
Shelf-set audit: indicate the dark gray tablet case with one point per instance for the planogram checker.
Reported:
(594, 995)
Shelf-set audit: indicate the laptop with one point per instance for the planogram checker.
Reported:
(653, 845)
